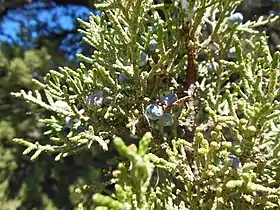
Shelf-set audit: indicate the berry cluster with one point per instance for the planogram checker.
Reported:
(162, 112)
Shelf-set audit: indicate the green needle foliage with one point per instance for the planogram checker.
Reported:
(221, 149)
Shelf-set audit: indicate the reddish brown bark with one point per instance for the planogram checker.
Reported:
(191, 72)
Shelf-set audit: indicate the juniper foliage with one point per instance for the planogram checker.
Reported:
(222, 149)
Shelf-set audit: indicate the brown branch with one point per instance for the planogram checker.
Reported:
(191, 71)
(192, 56)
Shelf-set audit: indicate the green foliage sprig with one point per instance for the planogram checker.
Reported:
(221, 151)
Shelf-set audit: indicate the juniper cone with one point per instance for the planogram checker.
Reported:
(212, 66)
(232, 52)
(122, 78)
(212, 119)
(143, 59)
(166, 119)
(97, 99)
(154, 111)
(169, 99)
(235, 18)
(236, 163)
(153, 45)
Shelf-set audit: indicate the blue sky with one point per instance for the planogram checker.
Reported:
(64, 19)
